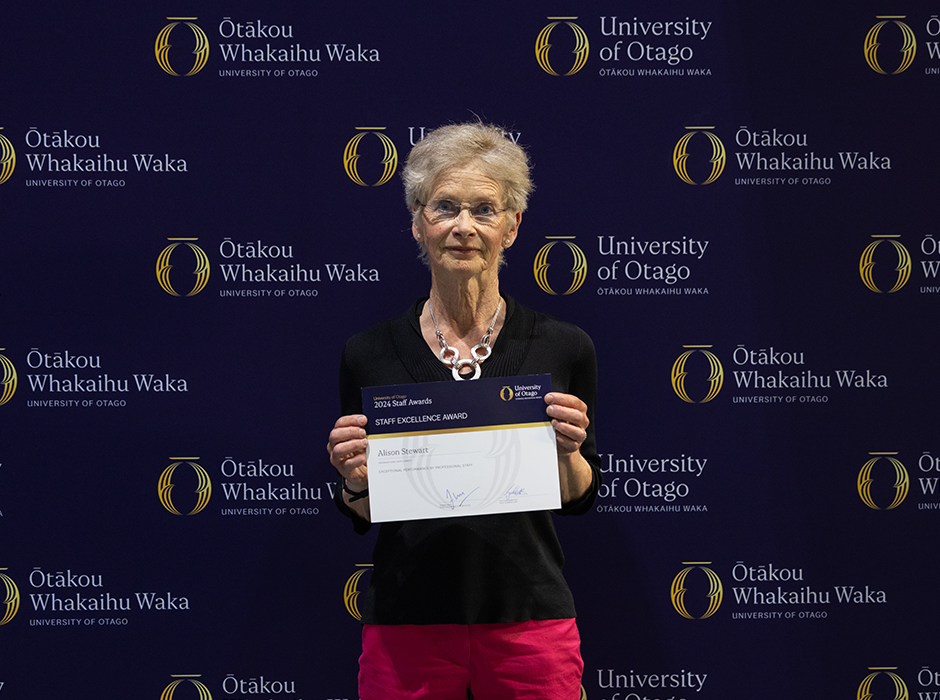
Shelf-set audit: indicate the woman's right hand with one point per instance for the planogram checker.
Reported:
(347, 448)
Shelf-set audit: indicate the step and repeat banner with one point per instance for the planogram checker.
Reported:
(201, 202)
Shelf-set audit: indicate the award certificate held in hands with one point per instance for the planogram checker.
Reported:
(445, 449)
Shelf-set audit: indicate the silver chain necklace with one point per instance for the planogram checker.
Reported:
(451, 356)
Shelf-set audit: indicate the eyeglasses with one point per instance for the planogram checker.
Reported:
(439, 210)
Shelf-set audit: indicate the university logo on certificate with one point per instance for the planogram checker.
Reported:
(445, 449)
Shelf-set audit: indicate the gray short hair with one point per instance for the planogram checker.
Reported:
(457, 145)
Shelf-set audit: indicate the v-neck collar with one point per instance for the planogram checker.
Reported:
(509, 350)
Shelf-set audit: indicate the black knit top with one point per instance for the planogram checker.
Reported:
(477, 569)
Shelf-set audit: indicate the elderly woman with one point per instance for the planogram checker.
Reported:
(473, 603)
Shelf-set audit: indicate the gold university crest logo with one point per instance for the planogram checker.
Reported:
(7, 379)
(866, 265)
(680, 155)
(201, 272)
(902, 481)
(679, 590)
(543, 46)
(351, 591)
(203, 488)
(865, 691)
(716, 376)
(7, 158)
(11, 598)
(200, 51)
(203, 691)
(873, 41)
(351, 156)
(541, 265)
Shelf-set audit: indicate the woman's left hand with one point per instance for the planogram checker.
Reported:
(569, 419)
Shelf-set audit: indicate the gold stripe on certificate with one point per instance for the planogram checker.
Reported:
(416, 433)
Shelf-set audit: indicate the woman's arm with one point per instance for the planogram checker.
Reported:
(347, 448)
(570, 421)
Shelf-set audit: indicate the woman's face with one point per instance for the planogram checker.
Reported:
(462, 245)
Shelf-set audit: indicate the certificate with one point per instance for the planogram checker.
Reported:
(446, 449)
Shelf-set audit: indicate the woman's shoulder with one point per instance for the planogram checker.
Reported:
(548, 326)
(379, 340)
(369, 337)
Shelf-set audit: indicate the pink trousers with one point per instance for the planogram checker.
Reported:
(536, 659)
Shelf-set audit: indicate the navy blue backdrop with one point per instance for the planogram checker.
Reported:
(201, 202)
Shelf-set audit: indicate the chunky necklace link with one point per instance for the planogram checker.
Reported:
(451, 356)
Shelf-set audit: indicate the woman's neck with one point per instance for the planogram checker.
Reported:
(466, 308)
